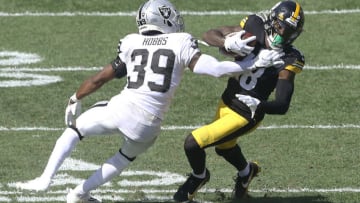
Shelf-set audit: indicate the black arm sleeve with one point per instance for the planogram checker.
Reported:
(284, 91)
(119, 67)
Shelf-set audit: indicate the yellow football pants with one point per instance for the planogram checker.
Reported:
(224, 130)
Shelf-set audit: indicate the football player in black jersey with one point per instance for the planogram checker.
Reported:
(245, 101)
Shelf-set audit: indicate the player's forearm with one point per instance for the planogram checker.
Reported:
(209, 65)
(281, 104)
(95, 82)
(214, 37)
(87, 87)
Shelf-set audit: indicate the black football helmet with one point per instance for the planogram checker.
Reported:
(286, 20)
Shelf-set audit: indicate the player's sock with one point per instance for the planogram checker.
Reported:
(234, 156)
(111, 168)
(245, 171)
(63, 147)
(201, 176)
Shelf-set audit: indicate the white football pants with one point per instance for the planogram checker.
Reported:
(138, 127)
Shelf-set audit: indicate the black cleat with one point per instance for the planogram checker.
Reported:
(242, 183)
(188, 190)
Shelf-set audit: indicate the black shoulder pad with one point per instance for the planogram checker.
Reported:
(255, 25)
(293, 57)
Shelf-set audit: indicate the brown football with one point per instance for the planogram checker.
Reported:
(235, 55)
(247, 35)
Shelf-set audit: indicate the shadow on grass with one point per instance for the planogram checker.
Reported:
(304, 199)
(298, 199)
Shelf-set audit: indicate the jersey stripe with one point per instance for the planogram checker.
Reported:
(293, 69)
(297, 11)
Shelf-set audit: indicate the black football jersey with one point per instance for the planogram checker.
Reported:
(261, 82)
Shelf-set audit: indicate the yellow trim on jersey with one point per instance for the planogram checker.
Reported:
(243, 22)
(294, 69)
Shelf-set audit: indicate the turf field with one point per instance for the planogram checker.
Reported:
(310, 155)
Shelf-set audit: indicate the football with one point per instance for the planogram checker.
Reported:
(247, 35)
(235, 55)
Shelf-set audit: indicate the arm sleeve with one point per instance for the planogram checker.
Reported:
(284, 91)
(209, 65)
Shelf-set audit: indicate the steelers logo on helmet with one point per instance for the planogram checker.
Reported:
(286, 24)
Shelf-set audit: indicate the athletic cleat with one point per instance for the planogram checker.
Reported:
(242, 183)
(73, 197)
(188, 190)
(37, 184)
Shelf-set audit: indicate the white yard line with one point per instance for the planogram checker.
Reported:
(108, 192)
(82, 68)
(189, 127)
(191, 13)
(33, 198)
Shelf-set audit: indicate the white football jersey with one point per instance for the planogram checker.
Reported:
(155, 66)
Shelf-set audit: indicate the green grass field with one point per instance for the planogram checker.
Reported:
(310, 155)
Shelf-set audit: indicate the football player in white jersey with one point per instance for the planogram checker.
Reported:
(153, 62)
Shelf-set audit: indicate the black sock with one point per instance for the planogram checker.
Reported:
(234, 156)
(195, 155)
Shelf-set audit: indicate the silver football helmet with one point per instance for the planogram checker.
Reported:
(159, 15)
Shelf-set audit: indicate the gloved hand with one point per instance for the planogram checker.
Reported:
(267, 58)
(251, 102)
(234, 43)
(72, 111)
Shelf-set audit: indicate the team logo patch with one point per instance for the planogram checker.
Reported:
(165, 12)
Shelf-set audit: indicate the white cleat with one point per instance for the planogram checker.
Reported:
(73, 197)
(37, 184)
